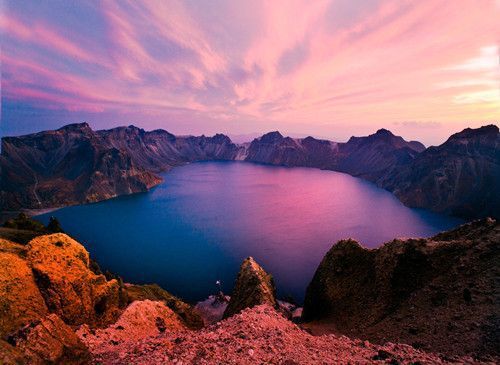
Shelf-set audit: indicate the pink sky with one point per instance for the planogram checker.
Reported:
(423, 69)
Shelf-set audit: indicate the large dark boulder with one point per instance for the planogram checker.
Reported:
(440, 293)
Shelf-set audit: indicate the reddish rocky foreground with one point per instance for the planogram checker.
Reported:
(56, 307)
(259, 335)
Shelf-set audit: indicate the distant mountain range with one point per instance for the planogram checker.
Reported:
(75, 165)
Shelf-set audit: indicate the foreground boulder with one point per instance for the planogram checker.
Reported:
(189, 315)
(49, 341)
(253, 287)
(141, 320)
(70, 289)
(439, 294)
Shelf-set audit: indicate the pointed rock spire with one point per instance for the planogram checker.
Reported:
(254, 286)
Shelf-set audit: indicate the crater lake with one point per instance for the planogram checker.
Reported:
(200, 223)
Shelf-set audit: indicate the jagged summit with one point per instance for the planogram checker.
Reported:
(487, 130)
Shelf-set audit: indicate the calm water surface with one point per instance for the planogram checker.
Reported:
(197, 226)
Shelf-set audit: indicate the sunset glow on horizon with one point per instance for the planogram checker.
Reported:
(328, 68)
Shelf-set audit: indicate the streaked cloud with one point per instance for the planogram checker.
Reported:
(313, 67)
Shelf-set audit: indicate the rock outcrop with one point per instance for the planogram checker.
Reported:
(70, 289)
(20, 300)
(440, 294)
(49, 286)
(253, 287)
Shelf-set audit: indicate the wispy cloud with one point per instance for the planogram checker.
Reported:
(322, 64)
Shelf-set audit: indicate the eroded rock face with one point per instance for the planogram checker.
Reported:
(49, 341)
(75, 165)
(20, 299)
(67, 166)
(460, 177)
(440, 294)
(61, 269)
(253, 287)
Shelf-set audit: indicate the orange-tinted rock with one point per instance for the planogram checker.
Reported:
(50, 341)
(20, 299)
(70, 289)
(141, 319)
(189, 315)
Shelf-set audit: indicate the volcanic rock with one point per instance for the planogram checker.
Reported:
(460, 177)
(50, 341)
(189, 315)
(253, 287)
(440, 294)
(70, 289)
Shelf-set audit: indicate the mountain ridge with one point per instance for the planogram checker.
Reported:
(75, 164)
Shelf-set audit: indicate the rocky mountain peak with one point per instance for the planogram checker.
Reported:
(76, 127)
(271, 137)
(384, 132)
(470, 133)
(254, 286)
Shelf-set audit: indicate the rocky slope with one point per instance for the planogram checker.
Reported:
(259, 335)
(440, 294)
(459, 177)
(68, 166)
(49, 286)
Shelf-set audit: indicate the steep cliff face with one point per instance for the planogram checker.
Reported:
(459, 177)
(374, 156)
(253, 287)
(68, 166)
(75, 164)
(273, 148)
(439, 294)
(159, 150)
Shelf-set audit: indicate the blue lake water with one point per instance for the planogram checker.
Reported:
(205, 218)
